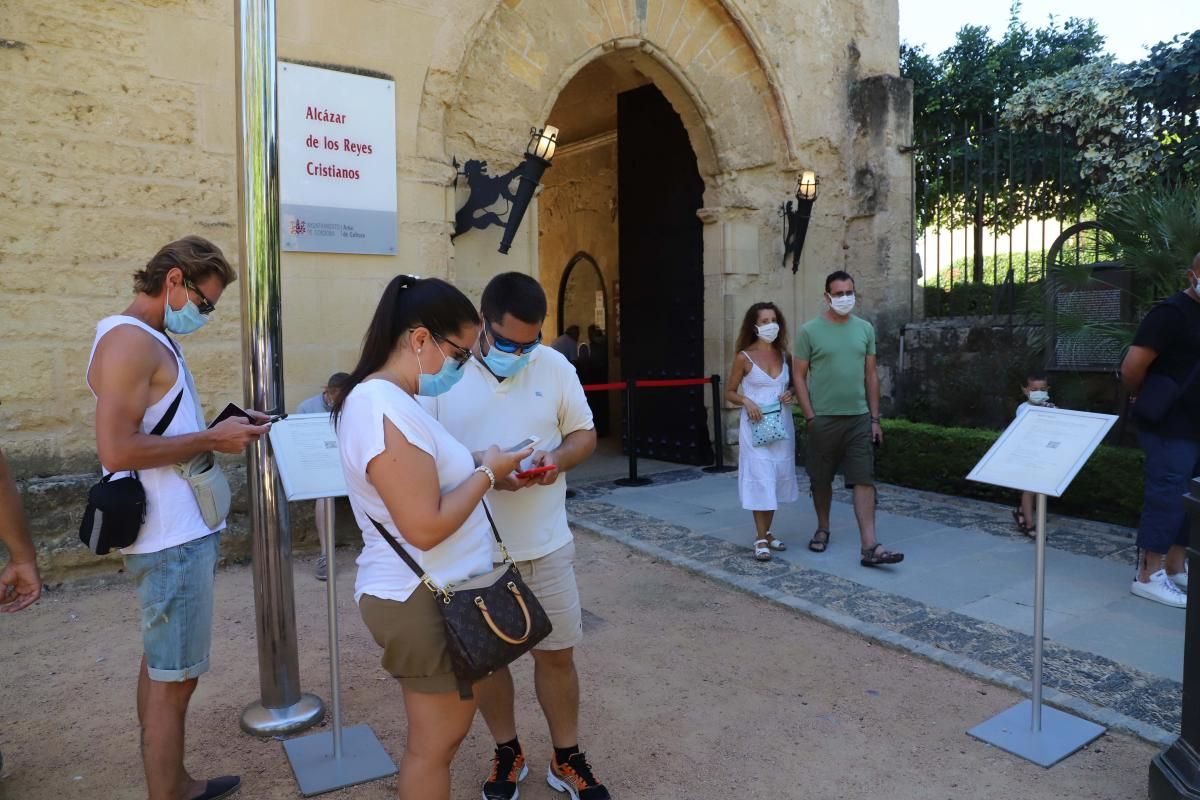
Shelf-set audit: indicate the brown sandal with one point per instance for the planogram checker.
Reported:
(877, 555)
(1022, 524)
(819, 545)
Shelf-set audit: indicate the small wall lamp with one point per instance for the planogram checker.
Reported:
(486, 190)
(796, 219)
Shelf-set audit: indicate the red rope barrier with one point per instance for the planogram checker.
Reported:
(676, 382)
(599, 387)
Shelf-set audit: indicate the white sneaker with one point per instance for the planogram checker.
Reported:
(1160, 589)
(1180, 580)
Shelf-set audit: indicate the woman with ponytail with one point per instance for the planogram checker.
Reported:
(405, 472)
(766, 465)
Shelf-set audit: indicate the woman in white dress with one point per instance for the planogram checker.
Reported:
(762, 372)
(408, 476)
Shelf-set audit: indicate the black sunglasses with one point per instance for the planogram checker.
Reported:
(461, 354)
(205, 306)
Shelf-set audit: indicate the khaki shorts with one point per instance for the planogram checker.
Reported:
(551, 578)
(413, 637)
(840, 442)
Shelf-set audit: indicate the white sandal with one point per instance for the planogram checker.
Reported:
(761, 551)
(774, 543)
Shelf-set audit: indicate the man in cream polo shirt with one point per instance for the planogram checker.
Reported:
(514, 388)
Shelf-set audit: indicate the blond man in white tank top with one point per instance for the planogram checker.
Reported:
(136, 372)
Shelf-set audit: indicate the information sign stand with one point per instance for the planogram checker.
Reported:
(1041, 452)
(305, 448)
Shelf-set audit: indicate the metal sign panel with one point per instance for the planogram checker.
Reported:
(337, 161)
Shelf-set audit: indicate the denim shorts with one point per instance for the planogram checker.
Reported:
(1171, 463)
(175, 590)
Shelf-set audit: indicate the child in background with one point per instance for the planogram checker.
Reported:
(1037, 393)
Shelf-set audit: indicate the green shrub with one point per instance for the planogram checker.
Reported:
(979, 299)
(937, 459)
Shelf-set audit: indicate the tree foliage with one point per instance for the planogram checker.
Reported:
(969, 171)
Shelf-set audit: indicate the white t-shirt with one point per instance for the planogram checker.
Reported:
(381, 572)
(545, 399)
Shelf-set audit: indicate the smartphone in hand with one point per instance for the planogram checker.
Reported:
(522, 445)
(535, 471)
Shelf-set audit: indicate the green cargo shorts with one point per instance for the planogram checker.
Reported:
(841, 443)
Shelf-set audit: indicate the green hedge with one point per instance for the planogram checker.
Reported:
(937, 459)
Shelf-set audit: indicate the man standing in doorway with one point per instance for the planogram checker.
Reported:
(140, 379)
(513, 388)
(838, 388)
(568, 343)
(322, 403)
(1163, 369)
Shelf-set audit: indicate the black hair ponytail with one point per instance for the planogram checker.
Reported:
(408, 302)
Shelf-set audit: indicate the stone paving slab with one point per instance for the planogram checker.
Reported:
(955, 599)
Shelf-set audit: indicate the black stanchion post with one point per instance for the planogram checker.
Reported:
(630, 431)
(1175, 772)
(718, 429)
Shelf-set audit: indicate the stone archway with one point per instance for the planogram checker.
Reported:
(703, 54)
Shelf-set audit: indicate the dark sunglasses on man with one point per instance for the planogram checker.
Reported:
(205, 306)
(508, 345)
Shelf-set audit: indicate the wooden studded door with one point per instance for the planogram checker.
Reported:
(659, 190)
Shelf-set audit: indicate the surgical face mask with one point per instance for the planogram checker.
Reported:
(842, 305)
(768, 332)
(504, 365)
(184, 321)
(441, 381)
(1039, 397)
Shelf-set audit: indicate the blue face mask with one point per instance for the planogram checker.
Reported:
(504, 365)
(441, 381)
(184, 321)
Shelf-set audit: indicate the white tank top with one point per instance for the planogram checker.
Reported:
(172, 515)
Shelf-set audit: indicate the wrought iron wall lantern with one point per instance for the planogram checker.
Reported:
(796, 218)
(486, 190)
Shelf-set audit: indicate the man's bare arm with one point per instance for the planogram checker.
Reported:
(1135, 366)
(800, 384)
(121, 372)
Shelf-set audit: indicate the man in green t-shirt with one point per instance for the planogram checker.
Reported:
(838, 388)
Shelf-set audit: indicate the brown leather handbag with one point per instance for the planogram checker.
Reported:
(491, 620)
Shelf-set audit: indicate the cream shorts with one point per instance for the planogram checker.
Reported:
(551, 578)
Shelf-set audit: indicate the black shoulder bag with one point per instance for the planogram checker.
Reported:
(1160, 393)
(116, 509)
(491, 620)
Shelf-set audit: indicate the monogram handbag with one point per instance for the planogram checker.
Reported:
(491, 620)
(116, 508)
(771, 427)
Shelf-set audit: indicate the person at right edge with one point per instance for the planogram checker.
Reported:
(837, 387)
(1162, 369)
(515, 387)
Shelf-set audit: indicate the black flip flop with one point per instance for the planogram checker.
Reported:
(819, 545)
(219, 788)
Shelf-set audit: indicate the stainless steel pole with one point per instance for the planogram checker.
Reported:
(282, 709)
(1039, 612)
(335, 686)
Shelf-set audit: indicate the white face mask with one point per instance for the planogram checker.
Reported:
(768, 332)
(1038, 397)
(842, 305)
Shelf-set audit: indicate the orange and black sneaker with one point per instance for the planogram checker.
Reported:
(576, 779)
(508, 769)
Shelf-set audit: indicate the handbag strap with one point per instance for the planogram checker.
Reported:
(168, 416)
(421, 574)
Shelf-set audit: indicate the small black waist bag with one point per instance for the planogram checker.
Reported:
(116, 508)
(491, 620)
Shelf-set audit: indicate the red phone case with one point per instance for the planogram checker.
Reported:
(536, 471)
